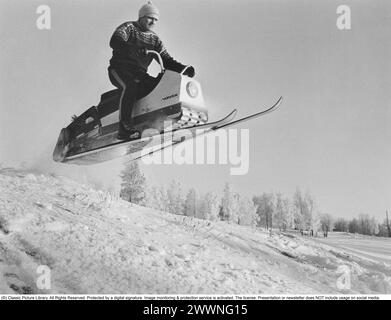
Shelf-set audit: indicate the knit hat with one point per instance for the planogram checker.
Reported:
(149, 10)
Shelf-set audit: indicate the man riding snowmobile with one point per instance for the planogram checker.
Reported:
(130, 61)
(167, 110)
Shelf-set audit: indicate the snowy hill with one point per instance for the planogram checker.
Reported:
(96, 243)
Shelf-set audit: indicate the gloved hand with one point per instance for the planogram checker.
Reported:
(142, 52)
(190, 72)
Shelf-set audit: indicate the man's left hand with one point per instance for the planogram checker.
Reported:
(190, 72)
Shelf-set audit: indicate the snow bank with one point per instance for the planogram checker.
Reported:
(93, 242)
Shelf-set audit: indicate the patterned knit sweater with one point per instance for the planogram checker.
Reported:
(128, 38)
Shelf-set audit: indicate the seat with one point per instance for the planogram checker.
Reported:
(109, 102)
(109, 94)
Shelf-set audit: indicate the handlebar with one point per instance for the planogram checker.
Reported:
(160, 60)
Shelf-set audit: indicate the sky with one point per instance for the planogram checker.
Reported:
(330, 136)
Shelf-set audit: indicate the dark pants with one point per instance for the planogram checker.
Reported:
(132, 88)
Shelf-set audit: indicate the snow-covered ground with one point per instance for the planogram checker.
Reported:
(371, 247)
(95, 243)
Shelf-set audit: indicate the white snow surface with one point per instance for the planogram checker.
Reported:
(95, 243)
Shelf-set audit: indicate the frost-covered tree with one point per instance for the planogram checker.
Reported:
(265, 209)
(156, 198)
(367, 225)
(364, 224)
(190, 205)
(316, 226)
(163, 198)
(174, 198)
(387, 224)
(229, 204)
(282, 219)
(247, 212)
(133, 183)
(353, 226)
(209, 206)
(304, 210)
(309, 219)
(299, 209)
(326, 223)
(374, 226)
(384, 229)
(150, 199)
(341, 225)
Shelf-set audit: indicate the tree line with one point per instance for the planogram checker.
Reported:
(365, 225)
(267, 210)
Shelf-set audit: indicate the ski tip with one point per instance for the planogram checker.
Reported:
(232, 114)
(278, 103)
(275, 106)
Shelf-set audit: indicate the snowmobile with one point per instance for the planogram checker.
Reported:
(174, 106)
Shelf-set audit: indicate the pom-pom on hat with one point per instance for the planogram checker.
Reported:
(150, 10)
